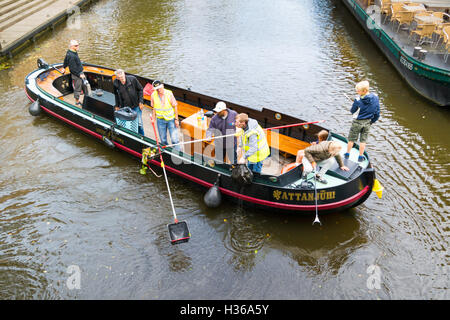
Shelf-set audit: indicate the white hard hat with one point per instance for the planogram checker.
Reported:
(220, 106)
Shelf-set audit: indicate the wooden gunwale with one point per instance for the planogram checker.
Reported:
(287, 145)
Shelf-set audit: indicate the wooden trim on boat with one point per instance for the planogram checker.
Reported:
(285, 144)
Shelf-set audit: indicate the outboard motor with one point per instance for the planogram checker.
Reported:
(35, 108)
(213, 198)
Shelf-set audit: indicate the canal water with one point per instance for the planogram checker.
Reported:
(78, 221)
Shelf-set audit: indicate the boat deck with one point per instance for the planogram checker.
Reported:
(334, 181)
(272, 165)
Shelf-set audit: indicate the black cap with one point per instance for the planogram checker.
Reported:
(156, 83)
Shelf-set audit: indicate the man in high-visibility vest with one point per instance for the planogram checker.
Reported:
(253, 146)
(165, 112)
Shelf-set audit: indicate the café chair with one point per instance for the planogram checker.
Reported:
(403, 17)
(424, 31)
(446, 32)
(385, 8)
(439, 34)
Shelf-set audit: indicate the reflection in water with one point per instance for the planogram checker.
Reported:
(319, 250)
(148, 35)
(325, 250)
(23, 227)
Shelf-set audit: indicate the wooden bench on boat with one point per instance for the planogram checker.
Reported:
(283, 143)
(287, 146)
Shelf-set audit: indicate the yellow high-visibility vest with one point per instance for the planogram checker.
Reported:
(263, 149)
(165, 111)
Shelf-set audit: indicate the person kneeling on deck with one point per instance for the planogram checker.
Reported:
(324, 152)
(253, 144)
(321, 136)
(129, 93)
(223, 123)
(165, 112)
(369, 112)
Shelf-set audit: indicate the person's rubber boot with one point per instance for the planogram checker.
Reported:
(346, 155)
(361, 158)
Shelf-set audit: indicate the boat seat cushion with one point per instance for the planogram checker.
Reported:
(148, 89)
(345, 175)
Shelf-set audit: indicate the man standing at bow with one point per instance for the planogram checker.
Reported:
(76, 69)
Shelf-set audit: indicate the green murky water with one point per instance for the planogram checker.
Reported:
(66, 199)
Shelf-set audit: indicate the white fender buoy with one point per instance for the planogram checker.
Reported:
(35, 108)
(108, 142)
(213, 198)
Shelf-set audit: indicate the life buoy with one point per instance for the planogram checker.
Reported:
(288, 167)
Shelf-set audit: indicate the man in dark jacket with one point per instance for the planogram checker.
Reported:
(76, 69)
(366, 111)
(223, 123)
(129, 93)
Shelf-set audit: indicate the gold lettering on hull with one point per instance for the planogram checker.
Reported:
(303, 196)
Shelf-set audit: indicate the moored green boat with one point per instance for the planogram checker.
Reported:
(427, 70)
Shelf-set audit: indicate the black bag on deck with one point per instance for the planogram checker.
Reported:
(126, 114)
(241, 174)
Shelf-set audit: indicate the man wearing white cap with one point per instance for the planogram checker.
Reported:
(165, 112)
(222, 123)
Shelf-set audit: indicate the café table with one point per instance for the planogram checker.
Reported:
(412, 8)
(428, 19)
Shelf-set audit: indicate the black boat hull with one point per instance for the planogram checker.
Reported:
(260, 194)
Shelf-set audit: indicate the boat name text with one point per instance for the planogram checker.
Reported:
(406, 63)
(303, 196)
